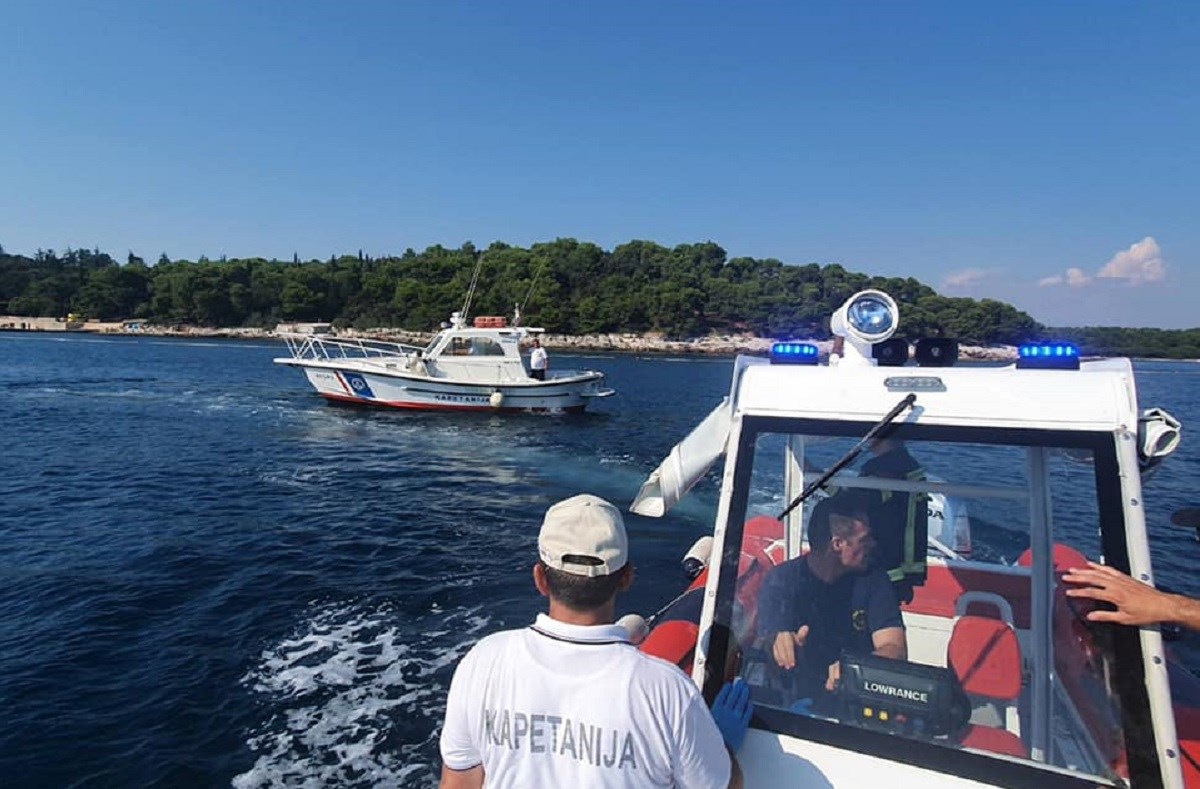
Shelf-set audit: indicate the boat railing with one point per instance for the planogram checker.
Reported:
(319, 346)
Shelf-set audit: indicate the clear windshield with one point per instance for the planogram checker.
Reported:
(906, 597)
(474, 346)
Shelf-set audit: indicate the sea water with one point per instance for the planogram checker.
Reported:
(210, 577)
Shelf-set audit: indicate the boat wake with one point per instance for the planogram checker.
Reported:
(355, 697)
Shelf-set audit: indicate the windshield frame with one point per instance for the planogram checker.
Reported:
(1124, 642)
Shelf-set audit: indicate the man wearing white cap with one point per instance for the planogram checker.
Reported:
(568, 701)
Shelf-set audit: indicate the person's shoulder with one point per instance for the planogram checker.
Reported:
(872, 581)
(896, 461)
(653, 669)
(792, 567)
(873, 590)
(665, 682)
(793, 575)
(492, 643)
(903, 459)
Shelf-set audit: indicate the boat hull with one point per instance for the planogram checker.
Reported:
(360, 386)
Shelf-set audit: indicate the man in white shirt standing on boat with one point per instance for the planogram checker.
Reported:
(569, 701)
(538, 361)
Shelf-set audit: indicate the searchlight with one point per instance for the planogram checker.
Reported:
(866, 318)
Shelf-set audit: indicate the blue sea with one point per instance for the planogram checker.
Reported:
(210, 577)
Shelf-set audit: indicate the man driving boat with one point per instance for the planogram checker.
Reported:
(814, 607)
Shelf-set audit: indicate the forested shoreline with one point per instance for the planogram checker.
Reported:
(566, 286)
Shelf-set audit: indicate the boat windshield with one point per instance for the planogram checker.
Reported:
(918, 597)
(474, 346)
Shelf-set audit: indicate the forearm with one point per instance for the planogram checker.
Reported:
(462, 779)
(894, 651)
(735, 771)
(890, 643)
(1182, 610)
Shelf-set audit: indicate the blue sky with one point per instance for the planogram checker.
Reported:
(1042, 154)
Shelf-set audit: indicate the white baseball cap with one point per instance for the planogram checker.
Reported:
(584, 535)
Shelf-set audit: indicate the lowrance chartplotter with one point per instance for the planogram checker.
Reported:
(902, 697)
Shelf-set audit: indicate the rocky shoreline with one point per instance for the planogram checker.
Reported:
(631, 343)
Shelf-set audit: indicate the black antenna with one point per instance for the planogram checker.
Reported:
(466, 307)
(849, 457)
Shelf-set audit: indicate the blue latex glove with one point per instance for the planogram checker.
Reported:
(802, 706)
(731, 711)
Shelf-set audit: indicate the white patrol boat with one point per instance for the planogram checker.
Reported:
(1006, 682)
(464, 368)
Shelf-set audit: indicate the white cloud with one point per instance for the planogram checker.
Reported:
(966, 278)
(1076, 278)
(1138, 265)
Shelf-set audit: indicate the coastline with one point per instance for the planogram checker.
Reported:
(625, 343)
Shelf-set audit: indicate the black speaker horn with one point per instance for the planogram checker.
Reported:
(936, 352)
(892, 352)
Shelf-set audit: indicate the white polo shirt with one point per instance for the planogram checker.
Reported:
(538, 359)
(561, 705)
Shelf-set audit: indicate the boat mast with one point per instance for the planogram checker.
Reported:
(518, 309)
(466, 307)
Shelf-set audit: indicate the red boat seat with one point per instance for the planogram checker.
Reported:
(1002, 741)
(1065, 557)
(986, 657)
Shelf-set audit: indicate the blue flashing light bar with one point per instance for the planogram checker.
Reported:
(1048, 356)
(794, 353)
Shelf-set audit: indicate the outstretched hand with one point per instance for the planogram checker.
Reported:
(787, 644)
(731, 710)
(1136, 602)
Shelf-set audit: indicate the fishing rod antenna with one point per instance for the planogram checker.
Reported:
(850, 456)
(529, 293)
(466, 308)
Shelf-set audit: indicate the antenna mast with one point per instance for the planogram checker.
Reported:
(532, 283)
(471, 290)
